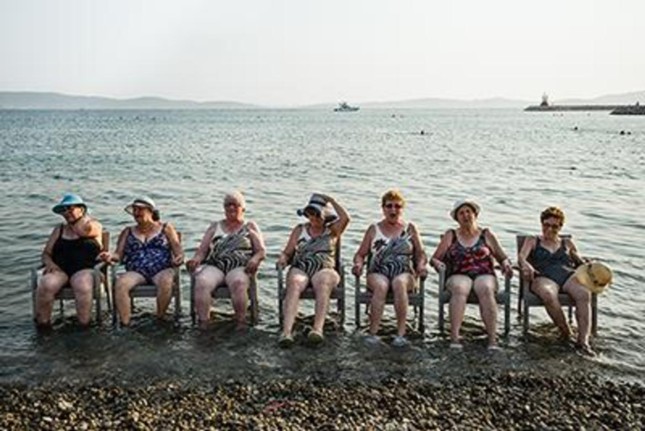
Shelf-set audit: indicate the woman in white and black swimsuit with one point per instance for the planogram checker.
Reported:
(230, 252)
(311, 252)
(548, 263)
(396, 257)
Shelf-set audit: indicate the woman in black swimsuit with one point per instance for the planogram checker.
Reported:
(548, 262)
(68, 258)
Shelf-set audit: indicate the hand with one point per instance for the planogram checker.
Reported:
(528, 273)
(439, 265)
(422, 270)
(282, 261)
(357, 269)
(252, 266)
(50, 268)
(507, 268)
(192, 264)
(178, 260)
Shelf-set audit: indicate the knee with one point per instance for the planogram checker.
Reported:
(47, 288)
(379, 292)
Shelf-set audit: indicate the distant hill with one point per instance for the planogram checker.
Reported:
(610, 99)
(34, 100)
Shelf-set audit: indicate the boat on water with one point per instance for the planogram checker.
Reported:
(345, 107)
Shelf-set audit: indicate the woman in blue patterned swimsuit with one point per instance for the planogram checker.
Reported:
(468, 253)
(149, 249)
(311, 251)
(548, 262)
(397, 257)
(231, 250)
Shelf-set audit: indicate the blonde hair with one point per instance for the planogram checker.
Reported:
(552, 212)
(392, 195)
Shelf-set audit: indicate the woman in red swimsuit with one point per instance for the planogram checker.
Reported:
(467, 253)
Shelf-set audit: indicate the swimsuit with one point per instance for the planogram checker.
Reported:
(73, 255)
(556, 266)
(147, 257)
(470, 261)
(391, 256)
(313, 254)
(229, 250)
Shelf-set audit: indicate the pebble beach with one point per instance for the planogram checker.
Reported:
(505, 400)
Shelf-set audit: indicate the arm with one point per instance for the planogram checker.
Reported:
(420, 257)
(88, 228)
(202, 250)
(499, 253)
(290, 248)
(528, 272)
(440, 252)
(175, 245)
(339, 225)
(363, 250)
(258, 248)
(573, 253)
(46, 258)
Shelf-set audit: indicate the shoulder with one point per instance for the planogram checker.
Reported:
(252, 225)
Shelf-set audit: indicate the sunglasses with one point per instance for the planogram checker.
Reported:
(69, 207)
(552, 225)
(393, 206)
(231, 203)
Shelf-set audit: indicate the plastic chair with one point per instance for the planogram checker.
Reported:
(337, 294)
(416, 299)
(66, 292)
(149, 290)
(501, 297)
(527, 298)
(222, 292)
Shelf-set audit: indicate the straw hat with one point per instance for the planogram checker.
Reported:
(595, 276)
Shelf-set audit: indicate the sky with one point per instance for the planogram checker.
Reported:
(299, 52)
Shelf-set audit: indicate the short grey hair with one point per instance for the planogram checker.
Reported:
(237, 196)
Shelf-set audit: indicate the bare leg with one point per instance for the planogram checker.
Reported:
(379, 285)
(547, 290)
(207, 278)
(164, 281)
(323, 283)
(401, 285)
(49, 285)
(459, 286)
(238, 283)
(124, 284)
(485, 287)
(296, 283)
(82, 283)
(582, 298)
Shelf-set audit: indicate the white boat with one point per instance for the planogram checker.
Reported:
(345, 107)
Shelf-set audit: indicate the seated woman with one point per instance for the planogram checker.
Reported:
(230, 252)
(69, 256)
(397, 256)
(548, 262)
(311, 251)
(149, 249)
(467, 252)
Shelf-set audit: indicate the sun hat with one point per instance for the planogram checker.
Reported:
(69, 199)
(316, 203)
(321, 207)
(595, 276)
(460, 203)
(144, 202)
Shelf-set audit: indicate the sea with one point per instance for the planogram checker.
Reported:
(513, 163)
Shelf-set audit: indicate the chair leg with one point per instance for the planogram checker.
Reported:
(594, 315)
(525, 319)
(441, 316)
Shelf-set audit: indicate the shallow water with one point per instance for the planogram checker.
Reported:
(513, 163)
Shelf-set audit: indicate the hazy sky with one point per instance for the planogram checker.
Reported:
(289, 52)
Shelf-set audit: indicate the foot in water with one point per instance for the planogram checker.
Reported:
(586, 350)
(285, 341)
(315, 337)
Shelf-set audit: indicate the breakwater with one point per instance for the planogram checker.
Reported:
(556, 108)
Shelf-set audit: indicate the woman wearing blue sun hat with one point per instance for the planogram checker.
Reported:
(68, 258)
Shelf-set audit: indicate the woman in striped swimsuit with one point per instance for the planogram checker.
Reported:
(230, 252)
(396, 258)
(311, 251)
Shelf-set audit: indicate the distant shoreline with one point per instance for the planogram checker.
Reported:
(614, 109)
